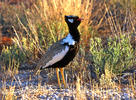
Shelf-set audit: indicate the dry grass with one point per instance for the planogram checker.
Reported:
(43, 23)
(80, 92)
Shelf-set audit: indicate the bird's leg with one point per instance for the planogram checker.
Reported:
(57, 72)
(62, 73)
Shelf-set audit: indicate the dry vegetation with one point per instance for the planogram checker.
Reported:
(107, 50)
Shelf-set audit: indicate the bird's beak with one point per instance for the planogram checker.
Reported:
(79, 19)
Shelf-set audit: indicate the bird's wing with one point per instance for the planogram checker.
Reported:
(54, 54)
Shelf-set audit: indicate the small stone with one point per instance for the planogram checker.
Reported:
(66, 90)
(41, 97)
(55, 96)
(59, 98)
(66, 98)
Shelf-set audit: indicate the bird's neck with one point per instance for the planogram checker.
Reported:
(74, 33)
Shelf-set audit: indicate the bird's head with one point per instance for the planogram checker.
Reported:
(73, 20)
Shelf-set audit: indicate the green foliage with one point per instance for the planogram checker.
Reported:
(12, 53)
(41, 35)
(47, 34)
(97, 54)
(21, 51)
(117, 53)
(45, 39)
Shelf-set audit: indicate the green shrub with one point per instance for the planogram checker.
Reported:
(117, 52)
(12, 53)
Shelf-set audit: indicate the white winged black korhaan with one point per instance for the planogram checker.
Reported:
(63, 51)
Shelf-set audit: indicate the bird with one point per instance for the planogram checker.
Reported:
(60, 53)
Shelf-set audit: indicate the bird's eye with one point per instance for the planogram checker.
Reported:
(71, 20)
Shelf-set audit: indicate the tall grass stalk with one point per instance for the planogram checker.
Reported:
(46, 24)
(52, 13)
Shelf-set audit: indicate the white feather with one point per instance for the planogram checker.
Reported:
(69, 40)
(71, 20)
(57, 57)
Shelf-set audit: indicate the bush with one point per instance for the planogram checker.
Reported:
(12, 53)
(117, 53)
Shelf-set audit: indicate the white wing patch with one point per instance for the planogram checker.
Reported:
(57, 57)
(69, 40)
(71, 20)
